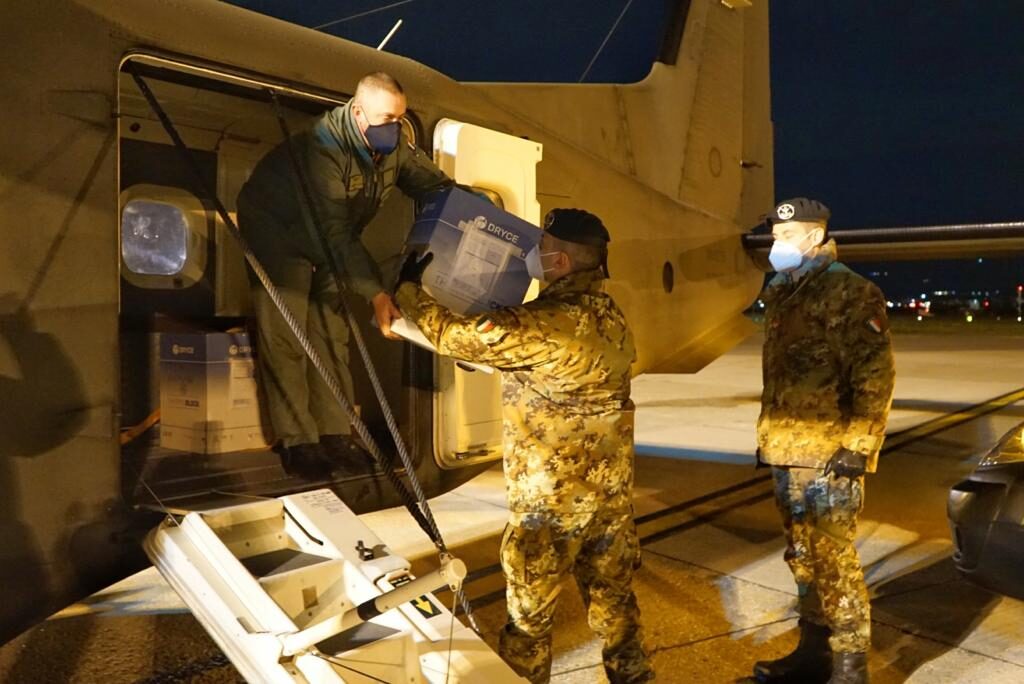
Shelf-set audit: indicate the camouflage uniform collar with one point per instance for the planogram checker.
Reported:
(580, 281)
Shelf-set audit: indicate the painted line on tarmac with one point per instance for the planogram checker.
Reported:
(696, 501)
(934, 426)
(685, 454)
(703, 518)
(893, 442)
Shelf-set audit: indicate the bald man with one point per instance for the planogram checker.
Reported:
(352, 158)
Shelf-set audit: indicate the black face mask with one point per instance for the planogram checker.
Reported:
(383, 138)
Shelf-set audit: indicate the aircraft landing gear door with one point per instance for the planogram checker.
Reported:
(467, 410)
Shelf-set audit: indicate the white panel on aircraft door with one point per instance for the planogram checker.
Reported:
(467, 412)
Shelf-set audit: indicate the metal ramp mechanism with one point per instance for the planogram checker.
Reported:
(298, 589)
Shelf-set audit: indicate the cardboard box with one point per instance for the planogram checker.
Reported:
(208, 396)
(479, 252)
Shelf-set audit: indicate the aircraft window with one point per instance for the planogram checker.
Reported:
(154, 238)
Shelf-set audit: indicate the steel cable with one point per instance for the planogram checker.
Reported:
(286, 313)
(418, 506)
(317, 228)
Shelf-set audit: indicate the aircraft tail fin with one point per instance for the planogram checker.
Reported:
(697, 128)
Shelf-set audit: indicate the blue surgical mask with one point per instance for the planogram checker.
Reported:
(534, 265)
(786, 257)
(383, 138)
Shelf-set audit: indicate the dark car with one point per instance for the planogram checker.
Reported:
(986, 515)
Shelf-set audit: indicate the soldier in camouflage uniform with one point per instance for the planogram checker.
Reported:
(568, 435)
(352, 158)
(828, 382)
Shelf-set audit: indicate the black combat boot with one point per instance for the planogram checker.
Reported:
(849, 668)
(346, 456)
(810, 663)
(306, 461)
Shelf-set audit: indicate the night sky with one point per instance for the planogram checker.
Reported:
(893, 113)
(904, 113)
(494, 40)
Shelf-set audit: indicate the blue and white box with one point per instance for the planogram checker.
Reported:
(208, 395)
(479, 252)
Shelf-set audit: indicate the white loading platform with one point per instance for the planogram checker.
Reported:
(299, 589)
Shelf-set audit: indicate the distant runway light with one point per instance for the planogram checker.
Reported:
(970, 318)
(920, 318)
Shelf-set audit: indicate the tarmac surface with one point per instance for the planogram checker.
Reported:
(714, 591)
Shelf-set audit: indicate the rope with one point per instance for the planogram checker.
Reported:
(359, 15)
(426, 517)
(309, 207)
(282, 307)
(451, 635)
(418, 508)
(605, 41)
(338, 662)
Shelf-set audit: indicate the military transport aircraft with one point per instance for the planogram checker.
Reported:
(110, 244)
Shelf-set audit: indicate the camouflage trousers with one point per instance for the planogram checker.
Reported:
(598, 549)
(820, 518)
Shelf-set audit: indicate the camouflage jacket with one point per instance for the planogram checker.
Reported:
(827, 365)
(568, 418)
(348, 187)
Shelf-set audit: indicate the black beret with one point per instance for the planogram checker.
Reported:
(576, 225)
(800, 209)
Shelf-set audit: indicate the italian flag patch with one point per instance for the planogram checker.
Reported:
(484, 324)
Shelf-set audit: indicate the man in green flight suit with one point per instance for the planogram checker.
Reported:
(568, 438)
(828, 383)
(352, 157)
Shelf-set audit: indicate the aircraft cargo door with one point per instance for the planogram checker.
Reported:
(467, 410)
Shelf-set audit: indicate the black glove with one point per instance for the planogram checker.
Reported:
(846, 463)
(413, 268)
(760, 461)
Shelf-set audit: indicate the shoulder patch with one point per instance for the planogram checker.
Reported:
(485, 324)
(875, 324)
